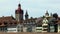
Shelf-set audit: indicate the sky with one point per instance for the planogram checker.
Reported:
(35, 8)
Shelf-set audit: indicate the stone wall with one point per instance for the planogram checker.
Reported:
(27, 33)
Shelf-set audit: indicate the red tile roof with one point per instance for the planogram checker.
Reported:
(7, 20)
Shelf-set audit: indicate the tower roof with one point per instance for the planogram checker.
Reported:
(19, 10)
(19, 5)
(26, 14)
(46, 12)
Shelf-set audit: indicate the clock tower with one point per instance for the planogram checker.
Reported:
(19, 14)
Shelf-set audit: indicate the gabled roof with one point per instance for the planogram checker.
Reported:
(7, 20)
(7, 17)
(39, 21)
(29, 20)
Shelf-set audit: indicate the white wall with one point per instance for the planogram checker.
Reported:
(38, 29)
(24, 29)
(58, 27)
(11, 29)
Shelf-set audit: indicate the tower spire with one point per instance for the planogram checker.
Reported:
(26, 15)
(46, 14)
(19, 5)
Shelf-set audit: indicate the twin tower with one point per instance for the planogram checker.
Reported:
(19, 14)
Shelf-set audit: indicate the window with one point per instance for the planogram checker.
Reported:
(5, 23)
(39, 26)
(51, 27)
(0, 29)
(45, 26)
(45, 29)
(38, 29)
(29, 29)
(0, 23)
(10, 23)
(18, 29)
(15, 23)
(52, 30)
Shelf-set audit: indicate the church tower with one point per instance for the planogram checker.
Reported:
(19, 14)
(26, 15)
(46, 14)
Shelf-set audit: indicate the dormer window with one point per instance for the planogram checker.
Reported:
(10, 23)
(5, 23)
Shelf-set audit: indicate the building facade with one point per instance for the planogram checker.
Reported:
(18, 24)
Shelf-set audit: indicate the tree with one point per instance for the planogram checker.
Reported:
(55, 15)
